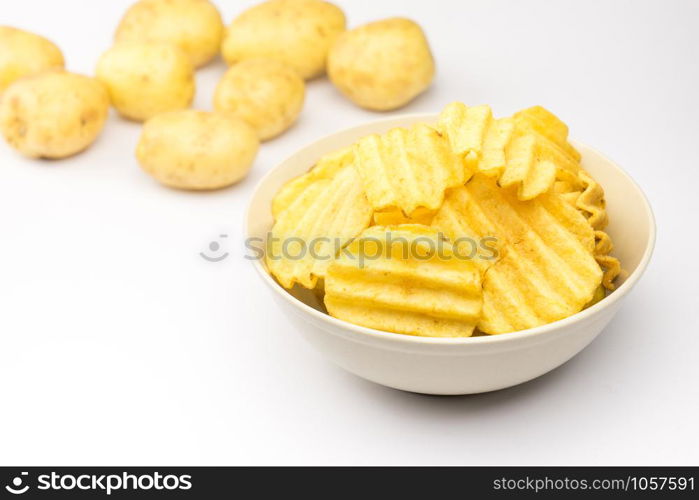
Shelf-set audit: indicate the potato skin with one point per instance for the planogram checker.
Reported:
(382, 65)
(23, 53)
(54, 114)
(195, 26)
(265, 93)
(296, 32)
(197, 150)
(145, 79)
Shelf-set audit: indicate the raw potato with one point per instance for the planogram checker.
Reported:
(53, 114)
(146, 79)
(195, 26)
(23, 53)
(196, 149)
(382, 65)
(265, 93)
(296, 32)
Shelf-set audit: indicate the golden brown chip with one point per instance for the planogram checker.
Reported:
(588, 197)
(600, 293)
(591, 201)
(394, 279)
(324, 217)
(545, 270)
(407, 169)
(609, 264)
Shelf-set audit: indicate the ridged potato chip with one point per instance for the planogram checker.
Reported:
(520, 151)
(466, 127)
(609, 264)
(541, 121)
(552, 137)
(568, 191)
(545, 271)
(393, 279)
(407, 169)
(527, 169)
(591, 202)
(493, 158)
(326, 168)
(600, 293)
(395, 217)
(326, 215)
(588, 197)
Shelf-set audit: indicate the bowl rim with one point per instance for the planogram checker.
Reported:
(538, 331)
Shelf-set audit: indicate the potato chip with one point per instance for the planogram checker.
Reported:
(466, 127)
(600, 293)
(541, 121)
(307, 235)
(552, 138)
(526, 169)
(609, 264)
(326, 168)
(567, 191)
(493, 158)
(591, 201)
(529, 150)
(545, 271)
(395, 217)
(394, 279)
(407, 169)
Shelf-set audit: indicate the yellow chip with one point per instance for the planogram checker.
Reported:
(534, 164)
(395, 217)
(393, 278)
(545, 271)
(529, 150)
(567, 191)
(466, 127)
(552, 139)
(527, 168)
(407, 169)
(493, 159)
(541, 121)
(326, 168)
(307, 235)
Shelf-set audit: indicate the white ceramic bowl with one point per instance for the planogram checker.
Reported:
(465, 365)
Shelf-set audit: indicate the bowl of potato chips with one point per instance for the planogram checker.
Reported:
(450, 253)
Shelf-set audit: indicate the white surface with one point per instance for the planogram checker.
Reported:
(119, 344)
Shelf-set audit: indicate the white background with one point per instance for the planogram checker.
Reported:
(120, 345)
